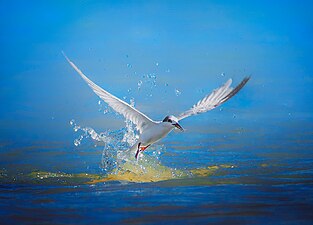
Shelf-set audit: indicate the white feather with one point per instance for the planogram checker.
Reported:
(211, 101)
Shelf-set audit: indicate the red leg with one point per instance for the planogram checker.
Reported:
(144, 148)
(138, 150)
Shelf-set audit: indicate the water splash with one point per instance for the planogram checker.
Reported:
(118, 160)
(149, 80)
(103, 107)
(139, 84)
(177, 92)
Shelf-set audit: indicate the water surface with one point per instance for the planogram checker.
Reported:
(237, 176)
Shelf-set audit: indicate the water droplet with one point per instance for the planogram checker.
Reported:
(129, 65)
(72, 122)
(76, 142)
(234, 116)
(166, 84)
(139, 84)
(105, 111)
(99, 102)
(177, 92)
(221, 109)
(223, 74)
(132, 102)
(76, 128)
(157, 64)
(167, 70)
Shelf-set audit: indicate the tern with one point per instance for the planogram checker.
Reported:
(151, 131)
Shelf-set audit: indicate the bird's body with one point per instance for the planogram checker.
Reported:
(155, 133)
(151, 135)
(152, 131)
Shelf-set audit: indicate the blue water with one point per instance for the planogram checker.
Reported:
(270, 181)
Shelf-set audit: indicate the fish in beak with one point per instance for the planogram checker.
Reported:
(178, 126)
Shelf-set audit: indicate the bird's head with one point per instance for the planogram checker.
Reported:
(173, 121)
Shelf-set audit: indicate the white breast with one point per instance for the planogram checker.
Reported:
(154, 133)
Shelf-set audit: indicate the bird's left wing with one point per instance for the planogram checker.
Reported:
(138, 118)
(217, 97)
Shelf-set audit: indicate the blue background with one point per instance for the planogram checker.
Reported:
(188, 46)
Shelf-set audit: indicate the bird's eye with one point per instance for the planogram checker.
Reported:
(169, 120)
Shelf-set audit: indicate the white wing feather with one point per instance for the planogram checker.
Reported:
(211, 101)
(139, 119)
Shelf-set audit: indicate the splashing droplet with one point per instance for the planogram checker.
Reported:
(223, 74)
(139, 84)
(76, 128)
(132, 102)
(177, 92)
(72, 122)
(76, 142)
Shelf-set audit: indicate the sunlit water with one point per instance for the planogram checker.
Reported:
(208, 175)
(231, 172)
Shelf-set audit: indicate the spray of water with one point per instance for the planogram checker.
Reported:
(118, 160)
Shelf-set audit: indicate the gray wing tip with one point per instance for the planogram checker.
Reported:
(236, 89)
(246, 79)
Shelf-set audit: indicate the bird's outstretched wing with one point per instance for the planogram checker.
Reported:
(217, 97)
(138, 118)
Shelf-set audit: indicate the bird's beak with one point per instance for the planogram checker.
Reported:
(178, 126)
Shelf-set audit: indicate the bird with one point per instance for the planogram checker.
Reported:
(151, 131)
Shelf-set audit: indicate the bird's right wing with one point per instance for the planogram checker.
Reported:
(217, 97)
(138, 118)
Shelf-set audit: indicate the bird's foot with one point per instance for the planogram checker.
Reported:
(140, 149)
(136, 156)
(144, 148)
